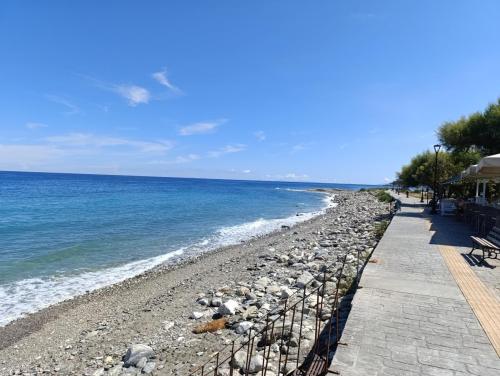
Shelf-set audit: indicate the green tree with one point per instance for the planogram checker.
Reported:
(479, 132)
(420, 170)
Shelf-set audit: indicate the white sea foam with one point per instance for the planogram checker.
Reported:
(30, 295)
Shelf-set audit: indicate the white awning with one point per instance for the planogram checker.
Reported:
(489, 166)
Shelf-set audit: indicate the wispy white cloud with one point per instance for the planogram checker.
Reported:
(246, 171)
(203, 127)
(288, 176)
(228, 149)
(33, 125)
(162, 79)
(294, 176)
(26, 156)
(71, 108)
(260, 135)
(178, 160)
(91, 140)
(301, 146)
(133, 94)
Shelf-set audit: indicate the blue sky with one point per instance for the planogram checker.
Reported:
(333, 91)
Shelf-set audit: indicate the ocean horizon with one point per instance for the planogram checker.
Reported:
(62, 234)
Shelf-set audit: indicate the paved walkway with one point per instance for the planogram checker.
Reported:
(410, 317)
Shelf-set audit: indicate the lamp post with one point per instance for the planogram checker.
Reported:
(434, 196)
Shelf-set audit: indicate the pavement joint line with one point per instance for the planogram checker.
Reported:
(484, 304)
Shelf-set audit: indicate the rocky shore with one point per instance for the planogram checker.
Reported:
(169, 320)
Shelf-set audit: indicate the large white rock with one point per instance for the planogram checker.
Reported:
(243, 327)
(238, 360)
(304, 279)
(256, 364)
(228, 308)
(149, 368)
(286, 292)
(136, 352)
(196, 315)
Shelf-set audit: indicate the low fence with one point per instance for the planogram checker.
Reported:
(301, 335)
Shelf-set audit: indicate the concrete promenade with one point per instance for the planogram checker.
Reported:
(410, 317)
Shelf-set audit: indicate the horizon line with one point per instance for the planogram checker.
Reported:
(183, 177)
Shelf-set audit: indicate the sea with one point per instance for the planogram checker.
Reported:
(62, 235)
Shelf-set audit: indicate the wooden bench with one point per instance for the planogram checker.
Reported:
(489, 245)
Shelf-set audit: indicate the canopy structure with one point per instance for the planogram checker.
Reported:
(487, 169)
(489, 166)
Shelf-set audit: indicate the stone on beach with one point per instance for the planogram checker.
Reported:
(304, 279)
(136, 352)
(196, 315)
(228, 308)
(149, 367)
(216, 302)
(243, 327)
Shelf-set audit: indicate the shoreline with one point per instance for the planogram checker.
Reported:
(177, 261)
(110, 276)
(71, 337)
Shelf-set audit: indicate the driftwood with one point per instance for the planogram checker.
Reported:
(211, 326)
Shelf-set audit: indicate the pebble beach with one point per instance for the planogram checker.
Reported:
(150, 324)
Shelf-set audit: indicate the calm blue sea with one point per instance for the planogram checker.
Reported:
(64, 234)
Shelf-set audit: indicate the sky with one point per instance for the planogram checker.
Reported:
(325, 91)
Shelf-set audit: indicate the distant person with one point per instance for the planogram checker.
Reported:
(407, 194)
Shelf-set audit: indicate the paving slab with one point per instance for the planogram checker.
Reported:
(409, 316)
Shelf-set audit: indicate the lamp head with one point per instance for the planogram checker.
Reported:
(437, 147)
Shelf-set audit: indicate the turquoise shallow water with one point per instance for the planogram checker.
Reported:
(64, 234)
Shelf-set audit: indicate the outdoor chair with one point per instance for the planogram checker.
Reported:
(489, 245)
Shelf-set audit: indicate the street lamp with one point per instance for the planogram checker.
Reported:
(434, 198)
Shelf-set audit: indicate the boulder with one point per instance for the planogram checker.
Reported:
(136, 352)
(203, 301)
(286, 292)
(141, 363)
(196, 315)
(216, 302)
(238, 360)
(250, 312)
(304, 279)
(242, 327)
(228, 308)
(149, 368)
(256, 364)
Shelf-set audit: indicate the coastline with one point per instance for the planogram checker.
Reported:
(77, 335)
(37, 294)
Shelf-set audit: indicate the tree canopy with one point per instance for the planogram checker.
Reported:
(477, 132)
(465, 141)
(420, 170)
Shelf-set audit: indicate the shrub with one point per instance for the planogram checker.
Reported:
(383, 196)
(380, 228)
